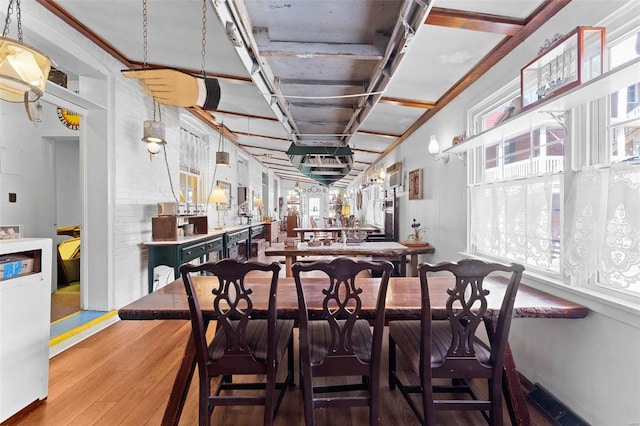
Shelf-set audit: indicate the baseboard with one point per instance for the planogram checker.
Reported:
(550, 406)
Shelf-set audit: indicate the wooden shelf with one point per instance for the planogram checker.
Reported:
(611, 81)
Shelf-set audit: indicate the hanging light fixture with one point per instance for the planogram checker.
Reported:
(222, 156)
(153, 130)
(23, 69)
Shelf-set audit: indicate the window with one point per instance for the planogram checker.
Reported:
(603, 214)
(515, 199)
(193, 161)
(584, 228)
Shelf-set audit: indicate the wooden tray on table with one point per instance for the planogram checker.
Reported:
(411, 243)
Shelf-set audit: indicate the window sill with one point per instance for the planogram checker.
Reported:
(617, 308)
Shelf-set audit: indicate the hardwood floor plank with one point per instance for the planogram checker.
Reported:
(123, 375)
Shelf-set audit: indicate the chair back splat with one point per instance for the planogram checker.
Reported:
(241, 345)
(337, 341)
(450, 349)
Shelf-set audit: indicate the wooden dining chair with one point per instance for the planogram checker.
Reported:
(241, 345)
(337, 341)
(450, 349)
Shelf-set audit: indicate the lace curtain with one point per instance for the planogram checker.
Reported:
(602, 228)
(518, 220)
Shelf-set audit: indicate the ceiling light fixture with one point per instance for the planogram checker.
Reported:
(23, 69)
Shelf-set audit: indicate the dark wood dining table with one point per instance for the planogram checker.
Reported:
(377, 249)
(402, 303)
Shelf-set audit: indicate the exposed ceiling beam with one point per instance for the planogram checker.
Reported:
(474, 21)
(257, 135)
(247, 146)
(366, 151)
(407, 102)
(241, 114)
(208, 119)
(383, 135)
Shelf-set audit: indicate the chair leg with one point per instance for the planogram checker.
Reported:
(392, 364)
(428, 408)
(269, 397)
(306, 382)
(495, 395)
(374, 392)
(205, 408)
(290, 364)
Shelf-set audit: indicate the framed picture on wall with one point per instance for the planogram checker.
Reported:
(415, 184)
(10, 232)
(226, 187)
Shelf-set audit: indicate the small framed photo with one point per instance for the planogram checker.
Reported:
(10, 232)
(415, 184)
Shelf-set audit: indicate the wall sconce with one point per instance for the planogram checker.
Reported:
(434, 150)
(219, 197)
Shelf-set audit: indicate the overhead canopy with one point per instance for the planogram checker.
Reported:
(323, 164)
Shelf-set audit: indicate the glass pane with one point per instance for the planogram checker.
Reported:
(624, 134)
(500, 114)
(519, 221)
(624, 51)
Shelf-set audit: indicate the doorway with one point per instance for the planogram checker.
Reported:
(61, 206)
(66, 205)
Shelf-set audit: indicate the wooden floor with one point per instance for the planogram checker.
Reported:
(122, 376)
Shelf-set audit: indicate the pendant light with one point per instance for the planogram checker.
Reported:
(222, 156)
(154, 131)
(23, 69)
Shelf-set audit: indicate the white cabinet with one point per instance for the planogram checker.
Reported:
(25, 306)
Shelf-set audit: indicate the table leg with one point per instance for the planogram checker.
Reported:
(180, 385)
(289, 261)
(513, 394)
(403, 266)
(414, 265)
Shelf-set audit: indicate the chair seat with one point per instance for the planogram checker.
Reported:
(256, 339)
(320, 335)
(406, 334)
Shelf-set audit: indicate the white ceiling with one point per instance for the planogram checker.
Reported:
(315, 48)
